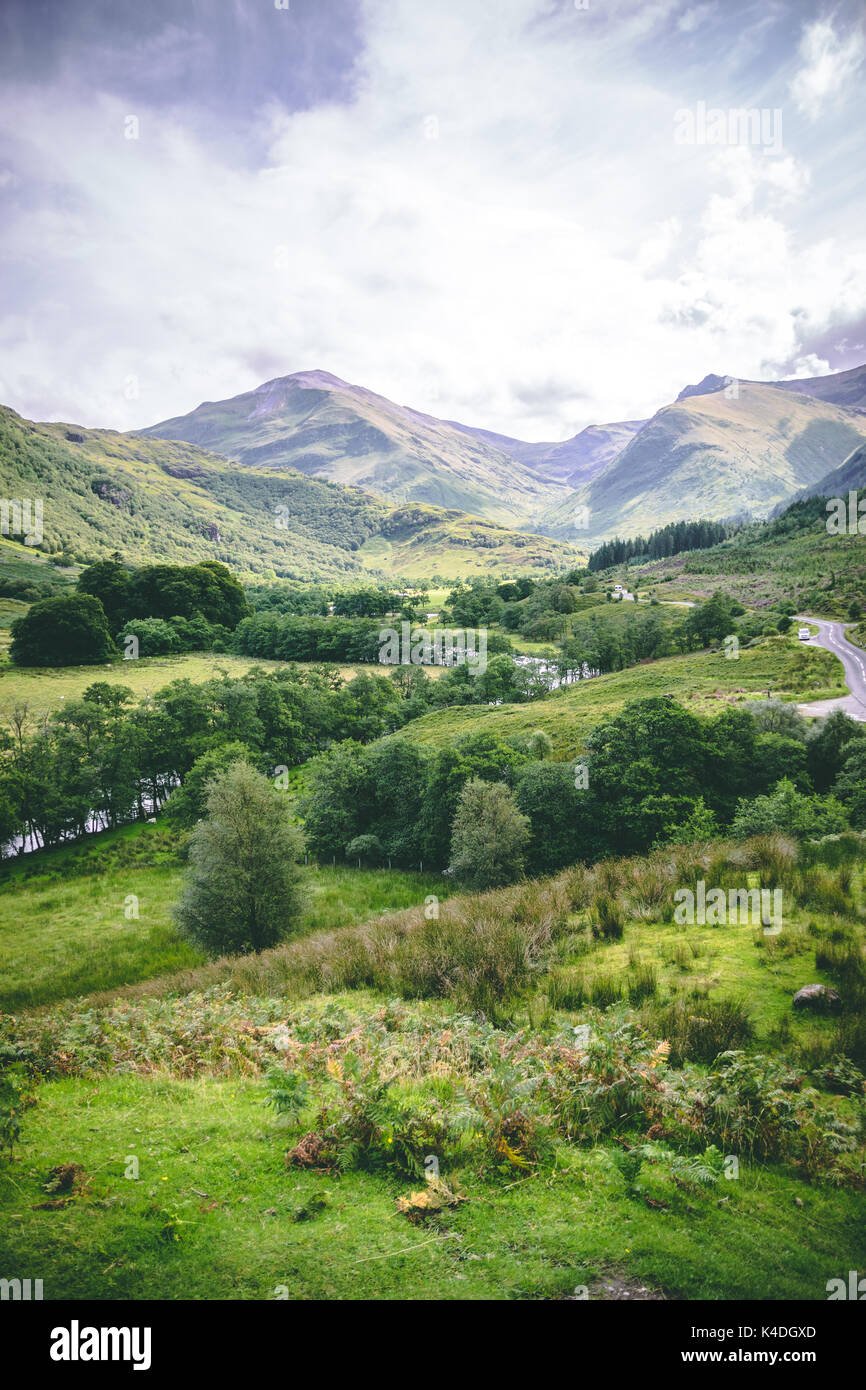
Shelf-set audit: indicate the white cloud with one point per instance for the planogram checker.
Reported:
(829, 62)
(552, 258)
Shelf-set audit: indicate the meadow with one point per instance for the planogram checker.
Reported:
(702, 681)
(261, 1128)
(46, 688)
(99, 914)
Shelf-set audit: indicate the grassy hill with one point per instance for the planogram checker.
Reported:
(701, 680)
(715, 457)
(791, 557)
(316, 423)
(152, 499)
(548, 1187)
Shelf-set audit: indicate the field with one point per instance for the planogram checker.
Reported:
(46, 688)
(151, 1166)
(704, 681)
(64, 923)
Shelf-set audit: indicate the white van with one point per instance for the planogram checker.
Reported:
(804, 634)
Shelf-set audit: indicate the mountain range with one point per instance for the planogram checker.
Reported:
(152, 499)
(308, 476)
(724, 449)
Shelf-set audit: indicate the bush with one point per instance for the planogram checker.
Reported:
(698, 1029)
(367, 849)
(489, 836)
(608, 921)
(242, 890)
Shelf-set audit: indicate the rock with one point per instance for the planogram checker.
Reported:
(817, 997)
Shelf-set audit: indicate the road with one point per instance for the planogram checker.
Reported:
(832, 637)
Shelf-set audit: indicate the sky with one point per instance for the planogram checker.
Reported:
(526, 215)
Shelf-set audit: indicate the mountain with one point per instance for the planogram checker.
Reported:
(317, 424)
(575, 461)
(156, 500)
(846, 389)
(849, 476)
(715, 454)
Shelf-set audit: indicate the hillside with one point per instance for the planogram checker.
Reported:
(550, 1186)
(318, 424)
(847, 389)
(154, 499)
(789, 557)
(703, 681)
(714, 456)
(840, 481)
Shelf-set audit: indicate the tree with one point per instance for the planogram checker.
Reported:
(778, 756)
(188, 802)
(647, 767)
(243, 883)
(484, 756)
(489, 836)
(829, 742)
(789, 810)
(562, 818)
(70, 631)
(107, 580)
(712, 621)
(850, 785)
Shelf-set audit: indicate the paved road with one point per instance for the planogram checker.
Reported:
(832, 637)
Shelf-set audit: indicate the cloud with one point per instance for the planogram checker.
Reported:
(829, 63)
(550, 258)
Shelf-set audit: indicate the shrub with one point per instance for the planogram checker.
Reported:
(242, 890)
(365, 848)
(698, 1029)
(608, 921)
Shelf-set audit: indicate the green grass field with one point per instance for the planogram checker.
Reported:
(65, 931)
(703, 681)
(46, 688)
(214, 1214)
(182, 1189)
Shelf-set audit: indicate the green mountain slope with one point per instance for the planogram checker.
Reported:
(318, 424)
(713, 456)
(840, 481)
(153, 499)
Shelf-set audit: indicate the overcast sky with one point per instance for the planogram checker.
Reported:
(492, 210)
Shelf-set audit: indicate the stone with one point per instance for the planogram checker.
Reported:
(816, 997)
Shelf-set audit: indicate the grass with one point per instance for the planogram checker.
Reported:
(157, 1093)
(65, 932)
(213, 1212)
(47, 688)
(703, 681)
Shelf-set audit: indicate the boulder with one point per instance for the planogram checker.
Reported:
(818, 997)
